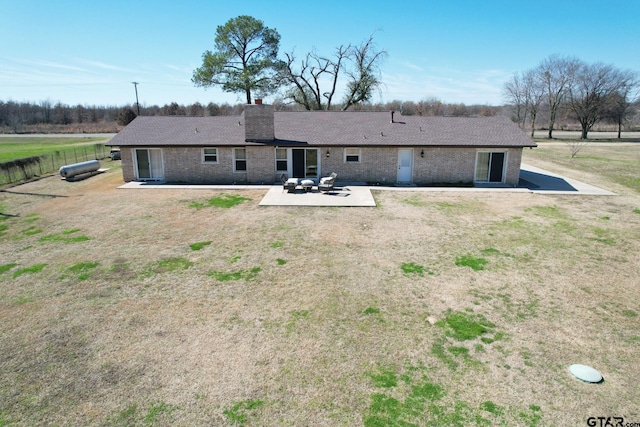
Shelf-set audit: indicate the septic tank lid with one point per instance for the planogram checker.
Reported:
(585, 373)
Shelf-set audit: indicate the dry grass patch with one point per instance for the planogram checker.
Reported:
(292, 315)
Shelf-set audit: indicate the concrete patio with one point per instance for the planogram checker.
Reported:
(341, 196)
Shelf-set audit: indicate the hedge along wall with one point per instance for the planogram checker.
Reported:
(19, 170)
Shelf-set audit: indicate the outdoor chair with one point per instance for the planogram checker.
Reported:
(327, 182)
(288, 184)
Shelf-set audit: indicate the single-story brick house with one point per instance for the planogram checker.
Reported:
(374, 147)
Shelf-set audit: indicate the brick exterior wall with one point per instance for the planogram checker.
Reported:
(259, 123)
(128, 173)
(439, 165)
(377, 165)
(514, 158)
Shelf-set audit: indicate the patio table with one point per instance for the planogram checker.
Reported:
(307, 184)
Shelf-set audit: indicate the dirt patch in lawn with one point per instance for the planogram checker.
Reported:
(314, 316)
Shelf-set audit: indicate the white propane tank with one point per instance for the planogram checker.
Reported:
(70, 171)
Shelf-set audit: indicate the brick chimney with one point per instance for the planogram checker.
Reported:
(258, 122)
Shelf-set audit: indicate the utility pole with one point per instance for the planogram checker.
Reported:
(135, 84)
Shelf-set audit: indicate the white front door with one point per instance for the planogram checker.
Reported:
(405, 165)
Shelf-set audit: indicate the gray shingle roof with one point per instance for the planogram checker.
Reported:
(321, 128)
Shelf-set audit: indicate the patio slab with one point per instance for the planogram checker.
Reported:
(345, 196)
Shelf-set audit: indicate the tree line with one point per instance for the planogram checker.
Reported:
(20, 116)
(44, 116)
(569, 88)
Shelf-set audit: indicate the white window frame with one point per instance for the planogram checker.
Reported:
(349, 152)
(285, 160)
(205, 155)
(156, 169)
(236, 159)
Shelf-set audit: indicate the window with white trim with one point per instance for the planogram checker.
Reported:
(281, 159)
(209, 155)
(352, 155)
(239, 159)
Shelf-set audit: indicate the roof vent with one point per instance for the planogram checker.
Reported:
(392, 114)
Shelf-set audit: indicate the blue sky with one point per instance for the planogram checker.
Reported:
(89, 52)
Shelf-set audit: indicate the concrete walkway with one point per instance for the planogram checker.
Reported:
(532, 180)
(154, 185)
(539, 180)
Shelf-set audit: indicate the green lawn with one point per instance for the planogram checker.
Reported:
(17, 148)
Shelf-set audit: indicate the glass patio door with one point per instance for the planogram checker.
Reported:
(149, 164)
(304, 162)
(490, 166)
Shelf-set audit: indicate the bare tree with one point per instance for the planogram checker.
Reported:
(409, 108)
(556, 75)
(433, 107)
(173, 109)
(620, 105)
(534, 91)
(365, 77)
(61, 114)
(593, 87)
(196, 110)
(313, 81)
(46, 110)
(514, 94)
(524, 92)
(313, 71)
(126, 116)
(459, 110)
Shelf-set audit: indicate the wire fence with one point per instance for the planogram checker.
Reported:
(20, 170)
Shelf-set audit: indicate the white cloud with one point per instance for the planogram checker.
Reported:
(413, 66)
(450, 85)
(44, 64)
(102, 65)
